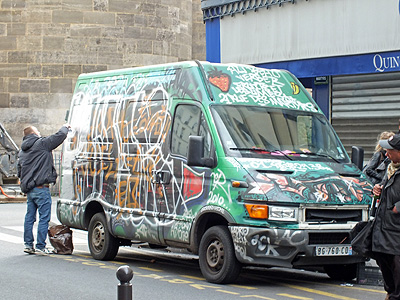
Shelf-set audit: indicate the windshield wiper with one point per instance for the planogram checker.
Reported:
(254, 149)
(251, 149)
(320, 155)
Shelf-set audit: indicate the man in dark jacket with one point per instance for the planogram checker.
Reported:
(386, 232)
(36, 172)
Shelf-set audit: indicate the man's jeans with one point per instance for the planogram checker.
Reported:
(38, 199)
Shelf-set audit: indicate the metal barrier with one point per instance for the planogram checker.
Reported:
(124, 275)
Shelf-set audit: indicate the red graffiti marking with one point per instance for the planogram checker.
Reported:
(193, 184)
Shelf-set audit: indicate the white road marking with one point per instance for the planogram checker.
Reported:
(19, 240)
(11, 238)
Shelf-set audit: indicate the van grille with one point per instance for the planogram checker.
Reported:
(324, 238)
(332, 215)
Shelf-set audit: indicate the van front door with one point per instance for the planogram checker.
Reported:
(182, 190)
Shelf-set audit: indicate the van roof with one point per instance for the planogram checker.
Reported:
(218, 83)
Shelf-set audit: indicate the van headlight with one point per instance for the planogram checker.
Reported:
(273, 213)
(281, 213)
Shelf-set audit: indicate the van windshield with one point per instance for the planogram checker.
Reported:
(254, 131)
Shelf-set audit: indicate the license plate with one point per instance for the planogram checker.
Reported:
(333, 250)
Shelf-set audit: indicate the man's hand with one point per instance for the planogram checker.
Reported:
(377, 190)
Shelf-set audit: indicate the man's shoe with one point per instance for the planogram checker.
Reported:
(29, 250)
(43, 251)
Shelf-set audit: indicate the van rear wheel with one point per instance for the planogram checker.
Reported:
(102, 245)
(217, 259)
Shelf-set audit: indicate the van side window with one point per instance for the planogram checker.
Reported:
(100, 134)
(142, 121)
(189, 120)
(204, 131)
(102, 122)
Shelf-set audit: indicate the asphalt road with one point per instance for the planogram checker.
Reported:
(158, 274)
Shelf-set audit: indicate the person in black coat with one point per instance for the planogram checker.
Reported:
(386, 231)
(375, 170)
(36, 172)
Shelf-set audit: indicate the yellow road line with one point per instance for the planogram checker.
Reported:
(335, 296)
(330, 284)
(203, 286)
(360, 288)
(150, 269)
(82, 255)
(227, 292)
(153, 276)
(244, 287)
(257, 297)
(193, 277)
(294, 297)
(118, 262)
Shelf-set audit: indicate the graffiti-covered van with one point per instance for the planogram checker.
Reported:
(233, 162)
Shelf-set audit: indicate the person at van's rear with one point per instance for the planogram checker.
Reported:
(375, 170)
(386, 231)
(36, 172)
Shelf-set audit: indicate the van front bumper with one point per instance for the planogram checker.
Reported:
(284, 248)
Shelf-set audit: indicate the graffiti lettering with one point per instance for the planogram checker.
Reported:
(229, 99)
(263, 244)
(284, 165)
(263, 87)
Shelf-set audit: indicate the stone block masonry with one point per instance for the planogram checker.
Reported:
(45, 45)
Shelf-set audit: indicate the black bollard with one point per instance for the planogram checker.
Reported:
(124, 275)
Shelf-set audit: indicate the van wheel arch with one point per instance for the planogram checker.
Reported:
(92, 208)
(202, 224)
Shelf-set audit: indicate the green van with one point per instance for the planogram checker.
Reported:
(235, 163)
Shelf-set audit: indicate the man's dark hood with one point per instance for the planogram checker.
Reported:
(28, 141)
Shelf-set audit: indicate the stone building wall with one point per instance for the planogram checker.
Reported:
(46, 44)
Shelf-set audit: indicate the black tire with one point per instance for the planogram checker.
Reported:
(217, 259)
(102, 245)
(341, 272)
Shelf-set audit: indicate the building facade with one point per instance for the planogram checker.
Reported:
(46, 44)
(346, 52)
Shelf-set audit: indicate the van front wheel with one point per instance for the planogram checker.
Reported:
(102, 245)
(217, 259)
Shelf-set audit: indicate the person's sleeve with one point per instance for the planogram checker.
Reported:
(374, 162)
(372, 165)
(18, 168)
(53, 141)
(372, 173)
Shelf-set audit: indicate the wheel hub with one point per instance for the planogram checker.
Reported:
(215, 254)
(98, 236)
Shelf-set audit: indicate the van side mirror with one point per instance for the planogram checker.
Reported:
(196, 152)
(357, 156)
